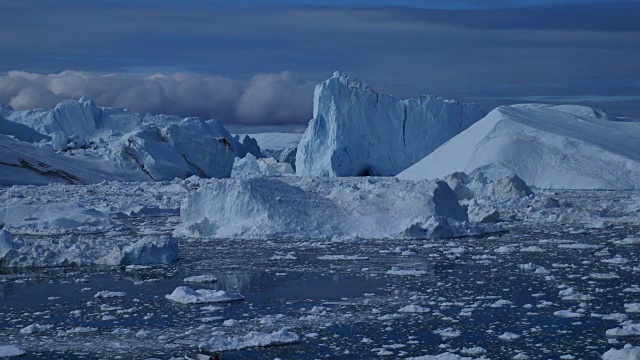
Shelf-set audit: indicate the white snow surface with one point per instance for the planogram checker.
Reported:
(263, 208)
(252, 339)
(548, 146)
(358, 131)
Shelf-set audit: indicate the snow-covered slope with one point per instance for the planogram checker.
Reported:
(295, 207)
(572, 147)
(358, 131)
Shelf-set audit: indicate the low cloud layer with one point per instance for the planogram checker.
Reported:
(280, 98)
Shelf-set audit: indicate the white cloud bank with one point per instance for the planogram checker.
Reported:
(266, 98)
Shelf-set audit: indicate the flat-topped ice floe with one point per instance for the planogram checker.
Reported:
(357, 131)
(186, 295)
(70, 250)
(264, 208)
(252, 339)
(564, 146)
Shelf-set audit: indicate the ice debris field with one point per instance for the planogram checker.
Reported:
(513, 235)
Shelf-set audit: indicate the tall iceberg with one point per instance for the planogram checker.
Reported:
(357, 131)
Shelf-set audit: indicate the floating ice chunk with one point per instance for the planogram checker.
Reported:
(508, 336)
(531, 249)
(7, 351)
(632, 307)
(604, 276)
(80, 330)
(186, 295)
(373, 208)
(200, 279)
(109, 294)
(448, 332)
(628, 352)
(405, 272)
(618, 260)
(149, 250)
(625, 330)
(567, 314)
(572, 294)
(443, 356)
(628, 241)
(413, 309)
(476, 350)
(55, 218)
(342, 257)
(501, 303)
(35, 328)
(252, 339)
(579, 246)
(506, 249)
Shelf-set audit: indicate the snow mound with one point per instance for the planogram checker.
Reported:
(570, 147)
(292, 207)
(57, 218)
(629, 352)
(443, 356)
(186, 295)
(357, 131)
(252, 339)
(250, 166)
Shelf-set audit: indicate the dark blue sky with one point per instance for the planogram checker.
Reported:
(254, 61)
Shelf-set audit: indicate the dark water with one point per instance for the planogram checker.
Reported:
(354, 300)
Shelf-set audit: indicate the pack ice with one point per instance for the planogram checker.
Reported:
(357, 131)
(294, 207)
(548, 146)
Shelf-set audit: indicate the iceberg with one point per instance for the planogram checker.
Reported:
(190, 147)
(547, 146)
(294, 207)
(357, 131)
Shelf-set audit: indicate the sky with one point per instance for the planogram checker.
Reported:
(252, 62)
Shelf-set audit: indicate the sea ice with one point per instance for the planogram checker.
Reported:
(186, 295)
(252, 339)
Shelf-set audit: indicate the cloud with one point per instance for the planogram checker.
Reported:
(280, 98)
